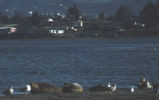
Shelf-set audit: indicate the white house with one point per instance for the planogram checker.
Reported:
(61, 32)
(30, 12)
(53, 31)
(57, 31)
(50, 20)
(13, 30)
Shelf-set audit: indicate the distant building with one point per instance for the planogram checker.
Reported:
(77, 23)
(4, 30)
(81, 23)
(57, 31)
(13, 30)
(30, 12)
(50, 20)
(139, 24)
(51, 31)
(74, 29)
(116, 24)
(7, 30)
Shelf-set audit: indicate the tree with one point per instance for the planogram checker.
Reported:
(101, 16)
(157, 2)
(148, 15)
(4, 19)
(73, 13)
(35, 19)
(124, 14)
(157, 11)
(17, 18)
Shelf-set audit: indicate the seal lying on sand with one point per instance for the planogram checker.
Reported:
(97, 88)
(72, 87)
(44, 88)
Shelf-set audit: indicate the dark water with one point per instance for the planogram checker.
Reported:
(86, 61)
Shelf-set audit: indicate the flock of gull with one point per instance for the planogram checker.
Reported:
(112, 88)
(144, 84)
(10, 91)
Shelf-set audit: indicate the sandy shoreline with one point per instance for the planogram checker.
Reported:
(118, 95)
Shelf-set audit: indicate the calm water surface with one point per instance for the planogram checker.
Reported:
(86, 61)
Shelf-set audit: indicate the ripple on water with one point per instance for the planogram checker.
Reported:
(87, 61)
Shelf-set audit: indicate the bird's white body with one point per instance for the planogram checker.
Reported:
(109, 85)
(158, 91)
(149, 86)
(11, 90)
(113, 88)
(28, 88)
(132, 89)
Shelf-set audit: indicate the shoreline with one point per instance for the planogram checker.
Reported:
(118, 95)
(80, 38)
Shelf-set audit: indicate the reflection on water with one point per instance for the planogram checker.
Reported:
(86, 61)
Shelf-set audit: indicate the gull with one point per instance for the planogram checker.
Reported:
(9, 91)
(27, 89)
(110, 89)
(149, 86)
(132, 89)
(108, 85)
(113, 88)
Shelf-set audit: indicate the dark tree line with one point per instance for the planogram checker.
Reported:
(101, 15)
(149, 16)
(4, 19)
(123, 14)
(36, 19)
(73, 13)
(18, 19)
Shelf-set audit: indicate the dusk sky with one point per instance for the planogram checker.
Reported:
(93, 1)
(85, 6)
